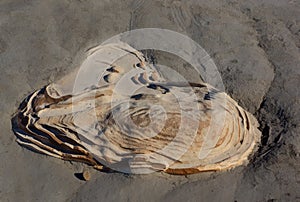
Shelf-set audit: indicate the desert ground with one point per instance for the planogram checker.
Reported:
(254, 43)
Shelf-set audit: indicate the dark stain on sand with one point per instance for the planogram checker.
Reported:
(3, 46)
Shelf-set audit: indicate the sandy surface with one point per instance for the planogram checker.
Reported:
(255, 45)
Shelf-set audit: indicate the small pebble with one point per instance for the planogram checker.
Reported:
(86, 175)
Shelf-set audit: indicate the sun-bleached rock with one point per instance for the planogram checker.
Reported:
(117, 112)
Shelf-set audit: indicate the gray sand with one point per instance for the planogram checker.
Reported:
(255, 45)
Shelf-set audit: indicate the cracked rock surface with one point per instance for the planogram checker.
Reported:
(254, 43)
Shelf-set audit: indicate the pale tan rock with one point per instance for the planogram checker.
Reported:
(86, 175)
(178, 128)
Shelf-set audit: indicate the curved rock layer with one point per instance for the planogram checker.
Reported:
(117, 112)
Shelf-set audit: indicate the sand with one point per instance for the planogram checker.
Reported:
(255, 45)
